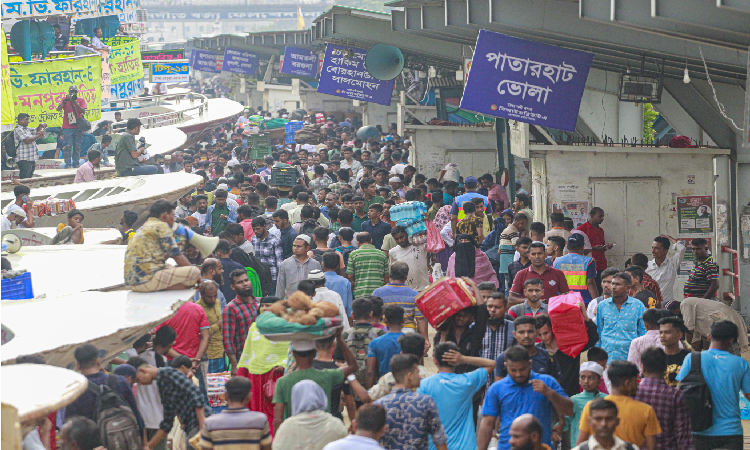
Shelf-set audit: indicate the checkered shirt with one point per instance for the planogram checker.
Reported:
(337, 186)
(270, 253)
(24, 151)
(670, 409)
(319, 183)
(179, 397)
(237, 318)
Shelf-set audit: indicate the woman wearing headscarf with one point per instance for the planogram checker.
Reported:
(443, 218)
(309, 427)
(469, 261)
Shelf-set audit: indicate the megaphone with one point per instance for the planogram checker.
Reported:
(205, 245)
(384, 62)
(368, 132)
(11, 243)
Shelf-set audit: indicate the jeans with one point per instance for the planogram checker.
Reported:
(717, 442)
(139, 170)
(26, 169)
(73, 138)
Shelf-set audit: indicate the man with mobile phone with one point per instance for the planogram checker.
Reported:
(27, 152)
(73, 108)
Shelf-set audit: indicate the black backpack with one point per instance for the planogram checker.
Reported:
(697, 396)
(118, 426)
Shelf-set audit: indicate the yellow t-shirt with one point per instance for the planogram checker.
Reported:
(60, 227)
(637, 420)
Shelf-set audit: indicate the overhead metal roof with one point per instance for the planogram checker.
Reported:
(264, 44)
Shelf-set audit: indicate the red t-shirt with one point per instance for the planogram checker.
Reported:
(553, 281)
(68, 108)
(188, 323)
(596, 237)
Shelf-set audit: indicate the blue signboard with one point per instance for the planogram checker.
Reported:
(344, 75)
(240, 61)
(298, 61)
(205, 61)
(526, 81)
(170, 71)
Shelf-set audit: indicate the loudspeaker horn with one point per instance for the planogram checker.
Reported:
(11, 243)
(205, 245)
(384, 62)
(368, 132)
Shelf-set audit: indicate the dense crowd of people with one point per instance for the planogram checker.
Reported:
(503, 376)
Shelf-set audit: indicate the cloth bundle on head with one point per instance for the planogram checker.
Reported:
(394, 180)
(308, 396)
(591, 366)
(465, 255)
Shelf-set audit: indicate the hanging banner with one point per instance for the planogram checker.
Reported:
(106, 84)
(125, 62)
(170, 72)
(162, 55)
(695, 214)
(688, 260)
(128, 17)
(204, 61)
(299, 61)
(344, 75)
(126, 90)
(41, 8)
(526, 81)
(119, 40)
(8, 113)
(40, 86)
(240, 61)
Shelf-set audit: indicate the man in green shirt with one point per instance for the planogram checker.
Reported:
(220, 213)
(360, 215)
(127, 153)
(304, 354)
(367, 268)
(370, 192)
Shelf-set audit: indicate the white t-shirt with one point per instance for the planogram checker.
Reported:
(97, 43)
(12, 207)
(5, 224)
(415, 256)
(398, 169)
(201, 218)
(325, 294)
(148, 398)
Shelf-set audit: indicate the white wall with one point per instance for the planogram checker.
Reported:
(431, 142)
(375, 114)
(575, 170)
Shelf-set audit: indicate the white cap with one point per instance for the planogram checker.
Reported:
(316, 274)
(232, 163)
(304, 237)
(591, 366)
(303, 346)
(19, 212)
(222, 187)
(394, 180)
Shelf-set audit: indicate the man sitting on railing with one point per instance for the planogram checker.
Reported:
(148, 250)
(126, 153)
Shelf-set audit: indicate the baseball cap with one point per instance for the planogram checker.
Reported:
(470, 180)
(576, 240)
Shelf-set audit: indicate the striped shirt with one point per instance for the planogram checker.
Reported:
(403, 296)
(507, 244)
(699, 280)
(369, 266)
(235, 429)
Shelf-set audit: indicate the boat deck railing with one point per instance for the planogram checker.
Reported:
(157, 119)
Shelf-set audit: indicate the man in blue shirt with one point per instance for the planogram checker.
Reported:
(381, 349)
(336, 282)
(521, 392)
(579, 270)
(725, 375)
(376, 227)
(525, 333)
(457, 212)
(223, 251)
(453, 393)
(619, 319)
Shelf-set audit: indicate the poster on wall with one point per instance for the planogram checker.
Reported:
(695, 214)
(688, 261)
(526, 81)
(578, 211)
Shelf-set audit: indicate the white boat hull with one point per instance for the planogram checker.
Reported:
(103, 202)
(160, 141)
(75, 319)
(31, 237)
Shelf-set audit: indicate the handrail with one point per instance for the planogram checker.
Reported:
(732, 273)
(151, 120)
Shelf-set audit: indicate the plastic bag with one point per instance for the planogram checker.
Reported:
(435, 242)
(568, 324)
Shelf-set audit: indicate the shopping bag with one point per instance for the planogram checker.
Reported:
(568, 324)
(435, 242)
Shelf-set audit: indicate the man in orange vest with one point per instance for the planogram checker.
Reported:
(579, 270)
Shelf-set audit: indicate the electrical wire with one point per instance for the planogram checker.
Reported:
(722, 109)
